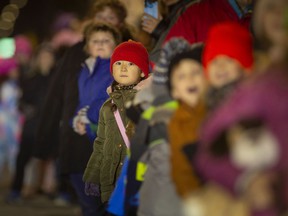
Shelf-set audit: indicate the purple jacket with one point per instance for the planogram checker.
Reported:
(265, 97)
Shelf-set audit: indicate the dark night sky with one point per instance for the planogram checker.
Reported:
(37, 15)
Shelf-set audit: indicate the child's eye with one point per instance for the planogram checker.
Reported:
(117, 63)
(130, 64)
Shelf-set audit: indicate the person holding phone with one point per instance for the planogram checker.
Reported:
(151, 17)
(159, 25)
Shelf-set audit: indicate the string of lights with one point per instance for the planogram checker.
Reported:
(9, 15)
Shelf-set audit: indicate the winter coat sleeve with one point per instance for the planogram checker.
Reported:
(92, 171)
(93, 116)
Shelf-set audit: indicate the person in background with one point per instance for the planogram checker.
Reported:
(111, 12)
(95, 77)
(187, 85)
(252, 123)
(10, 117)
(226, 64)
(23, 54)
(59, 107)
(194, 24)
(33, 91)
(93, 81)
(159, 27)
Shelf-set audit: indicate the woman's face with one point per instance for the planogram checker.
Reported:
(101, 44)
(274, 20)
(107, 16)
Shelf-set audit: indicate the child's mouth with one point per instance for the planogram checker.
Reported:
(222, 75)
(192, 90)
(123, 76)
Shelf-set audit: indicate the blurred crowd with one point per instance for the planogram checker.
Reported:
(182, 111)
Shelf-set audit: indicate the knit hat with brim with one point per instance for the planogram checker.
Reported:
(134, 52)
(232, 40)
(171, 49)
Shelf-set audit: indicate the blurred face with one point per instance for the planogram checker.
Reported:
(188, 82)
(101, 44)
(274, 20)
(223, 70)
(107, 16)
(45, 61)
(126, 73)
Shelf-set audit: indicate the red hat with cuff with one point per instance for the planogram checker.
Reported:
(232, 40)
(134, 52)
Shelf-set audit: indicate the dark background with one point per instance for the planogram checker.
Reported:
(37, 15)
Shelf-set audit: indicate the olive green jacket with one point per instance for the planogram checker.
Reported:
(109, 151)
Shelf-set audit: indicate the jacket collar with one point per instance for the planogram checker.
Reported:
(185, 112)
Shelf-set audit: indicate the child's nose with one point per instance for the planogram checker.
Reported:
(123, 67)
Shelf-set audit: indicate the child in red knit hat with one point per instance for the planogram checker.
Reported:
(227, 58)
(129, 65)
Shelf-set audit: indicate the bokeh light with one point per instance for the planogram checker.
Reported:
(7, 47)
(12, 8)
(8, 16)
(6, 25)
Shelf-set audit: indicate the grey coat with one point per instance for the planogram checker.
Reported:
(158, 195)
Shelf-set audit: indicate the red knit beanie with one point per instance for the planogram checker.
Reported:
(232, 40)
(134, 52)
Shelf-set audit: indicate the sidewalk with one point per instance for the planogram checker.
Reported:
(36, 206)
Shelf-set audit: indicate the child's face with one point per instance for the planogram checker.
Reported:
(126, 73)
(107, 16)
(188, 82)
(223, 70)
(101, 44)
(274, 19)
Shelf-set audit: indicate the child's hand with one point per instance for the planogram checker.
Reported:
(80, 127)
(149, 23)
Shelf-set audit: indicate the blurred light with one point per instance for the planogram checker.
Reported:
(11, 8)
(5, 25)
(7, 47)
(20, 3)
(8, 16)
